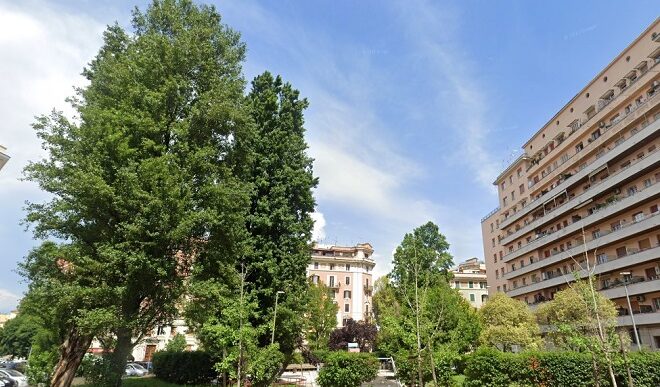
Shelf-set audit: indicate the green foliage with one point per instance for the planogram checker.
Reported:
(572, 316)
(320, 316)
(423, 323)
(146, 171)
(492, 368)
(43, 356)
(195, 367)
(176, 344)
(508, 322)
(17, 335)
(346, 369)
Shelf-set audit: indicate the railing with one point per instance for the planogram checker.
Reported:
(600, 108)
(533, 201)
(528, 226)
(569, 277)
(368, 288)
(490, 214)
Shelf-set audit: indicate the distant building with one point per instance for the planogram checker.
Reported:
(348, 271)
(470, 280)
(6, 317)
(4, 157)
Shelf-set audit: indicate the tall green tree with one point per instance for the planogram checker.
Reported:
(144, 176)
(422, 320)
(279, 221)
(508, 322)
(320, 316)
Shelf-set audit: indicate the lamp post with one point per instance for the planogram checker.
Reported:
(632, 315)
(272, 337)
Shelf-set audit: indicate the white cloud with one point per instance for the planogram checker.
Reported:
(318, 234)
(43, 52)
(8, 301)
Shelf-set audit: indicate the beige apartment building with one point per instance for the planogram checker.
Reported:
(470, 280)
(347, 270)
(4, 157)
(588, 181)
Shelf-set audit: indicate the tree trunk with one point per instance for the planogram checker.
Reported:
(625, 360)
(71, 354)
(119, 356)
(435, 377)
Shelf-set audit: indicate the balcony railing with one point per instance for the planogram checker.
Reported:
(569, 278)
(516, 215)
(601, 106)
(603, 206)
(368, 289)
(490, 214)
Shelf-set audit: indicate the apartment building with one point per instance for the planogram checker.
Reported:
(347, 270)
(4, 157)
(6, 317)
(585, 193)
(469, 278)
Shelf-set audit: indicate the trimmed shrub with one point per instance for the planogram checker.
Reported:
(346, 369)
(491, 368)
(194, 367)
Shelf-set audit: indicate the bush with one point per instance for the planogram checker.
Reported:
(491, 368)
(346, 369)
(194, 367)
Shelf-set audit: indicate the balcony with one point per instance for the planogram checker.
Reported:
(334, 285)
(606, 211)
(618, 149)
(605, 238)
(639, 285)
(614, 263)
(603, 102)
(648, 318)
(368, 289)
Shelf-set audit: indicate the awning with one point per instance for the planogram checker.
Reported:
(598, 170)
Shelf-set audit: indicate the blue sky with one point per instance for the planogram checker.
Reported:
(415, 106)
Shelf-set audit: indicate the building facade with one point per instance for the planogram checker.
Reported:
(585, 194)
(347, 270)
(470, 280)
(4, 157)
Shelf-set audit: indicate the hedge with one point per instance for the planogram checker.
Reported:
(491, 368)
(347, 369)
(194, 367)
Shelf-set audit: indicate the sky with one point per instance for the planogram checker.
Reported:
(415, 106)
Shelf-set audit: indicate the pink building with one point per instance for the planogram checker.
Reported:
(348, 271)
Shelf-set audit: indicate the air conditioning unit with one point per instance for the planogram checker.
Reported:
(640, 298)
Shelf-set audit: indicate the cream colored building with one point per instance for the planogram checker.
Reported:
(6, 317)
(588, 180)
(348, 271)
(4, 157)
(470, 280)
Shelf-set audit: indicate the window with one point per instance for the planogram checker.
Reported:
(470, 284)
(348, 267)
(493, 242)
(513, 195)
(457, 285)
(497, 274)
(647, 183)
(621, 252)
(595, 234)
(632, 190)
(332, 266)
(472, 297)
(348, 280)
(160, 330)
(579, 147)
(492, 227)
(521, 188)
(331, 281)
(504, 287)
(519, 172)
(504, 201)
(482, 285)
(316, 265)
(654, 208)
(511, 179)
(639, 216)
(601, 258)
(315, 279)
(347, 294)
(347, 308)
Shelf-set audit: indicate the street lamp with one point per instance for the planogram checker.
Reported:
(632, 315)
(272, 337)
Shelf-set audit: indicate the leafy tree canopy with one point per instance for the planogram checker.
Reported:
(508, 322)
